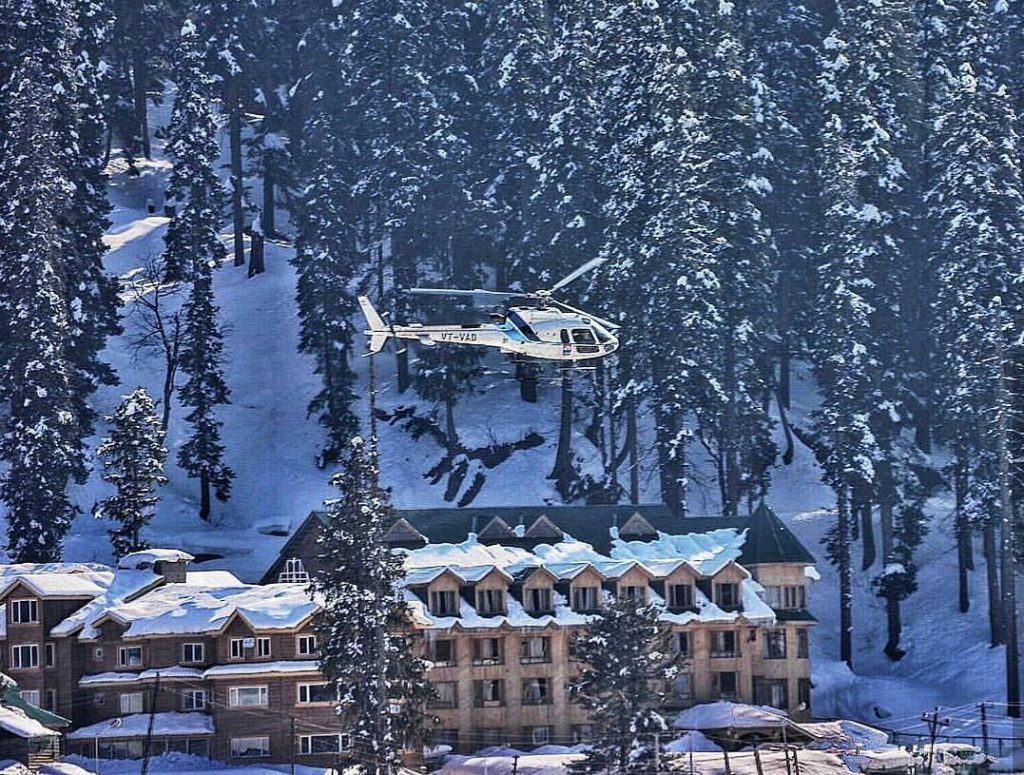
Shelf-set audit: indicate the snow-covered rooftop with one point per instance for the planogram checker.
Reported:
(174, 671)
(59, 584)
(146, 558)
(137, 725)
(262, 668)
(188, 609)
(17, 722)
(125, 585)
(731, 715)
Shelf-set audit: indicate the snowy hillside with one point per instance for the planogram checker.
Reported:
(272, 445)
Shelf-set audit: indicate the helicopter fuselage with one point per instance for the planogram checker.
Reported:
(544, 333)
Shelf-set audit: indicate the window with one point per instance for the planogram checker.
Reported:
(99, 698)
(247, 696)
(582, 733)
(683, 643)
(444, 603)
(786, 597)
(725, 685)
(263, 647)
(535, 649)
(97, 653)
(130, 702)
(536, 691)
(309, 744)
(441, 652)
(193, 699)
(725, 643)
(538, 599)
(49, 655)
(25, 656)
(487, 651)
(444, 695)
(538, 735)
(236, 648)
(121, 749)
(774, 644)
(192, 652)
(682, 687)
(772, 692)
(490, 601)
(250, 747)
(50, 700)
(314, 694)
(24, 611)
(564, 335)
(445, 737)
(305, 645)
(803, 644)
(31, 696)
(293, 572)
(129, 656)
(489, 692)
(727, 596)
(680, 596)
(583, 336)
(633, 592)
(803, 693)
(585, 598)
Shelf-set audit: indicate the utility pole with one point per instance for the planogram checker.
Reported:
(934, 722)
(657, 753)
(295, 742)
(984, 730)
(147, 744)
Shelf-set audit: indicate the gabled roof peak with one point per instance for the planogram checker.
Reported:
(543, 527)
(496, 530)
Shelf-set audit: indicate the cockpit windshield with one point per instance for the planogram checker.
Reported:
(583, 336)
(602, 336)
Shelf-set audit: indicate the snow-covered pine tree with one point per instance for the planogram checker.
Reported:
(367, 645)
(133, 458)
(91, 295)
(192, 241)
(735, 426)
(865, 77)
(41, 443)
(977, 204)
(193, 250)
(843, 363)
(627, 659)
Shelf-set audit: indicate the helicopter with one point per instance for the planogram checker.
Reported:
(535, 326)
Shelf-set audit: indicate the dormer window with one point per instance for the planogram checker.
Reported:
(680, 596)
(633, 592)
(538, 600)
(490, 601)
(294, 572)
(25, 611)
(585, 598)
(444, 603)
(727, 596)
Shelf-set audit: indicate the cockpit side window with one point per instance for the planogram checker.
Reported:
(583, 336)
(564, 333)
(524, 328)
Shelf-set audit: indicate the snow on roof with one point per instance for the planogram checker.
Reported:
(263, 668)
(707, 552)
(11, 767)
(124, 586)
(147, 557)
(17, 722)
(90, 583)
(173, 671)
(212, 578)
(845, 734)
(187, 609)
(731, 715)
(695, 741)
(26, 568)
(528, 764)
(136, 725)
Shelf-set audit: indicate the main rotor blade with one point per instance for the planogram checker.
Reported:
(591, 264)
(463, 292)
(600, 321)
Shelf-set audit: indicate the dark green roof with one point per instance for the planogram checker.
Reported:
(768, 539)
(794, 615)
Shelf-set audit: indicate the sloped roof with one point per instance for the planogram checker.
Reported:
(770, 541)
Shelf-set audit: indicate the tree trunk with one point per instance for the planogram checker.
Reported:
(165, 418)
(257, 252)
(401, 280)
(563, 472)
(729, 451)
(237, 184)
(867, 532)
(1007, 557)
(267, 214)
(965, 561)
(140, 77)
(632, 441)
(995, 605)
(886, 500)
(845, 576)
(204, 497)
(894, 625)
(785, 372)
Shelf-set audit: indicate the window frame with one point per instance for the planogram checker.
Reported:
(718, 648)
(526, 659)
(308, 702)
(188, 699)
(259, 653)
(489, 596)
(264, 747)
(134, 698)
(240, 642)
(16, 663)
(544, 685)
(33, 697)
(477, 651)
(586, 591)
(299, 640)
(772, 639)
(446, 595)
(234, 692)
(49, 654)
(438, 702)
(123, 662)
(803, 643)
(306, 744)
(293, 572)
(479, 698)
(545, 593)
(734, 593)
(673, 602)
(33, 606)
(432, 654)
(194, 646)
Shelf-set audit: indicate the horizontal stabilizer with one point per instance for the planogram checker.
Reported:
(377, 330)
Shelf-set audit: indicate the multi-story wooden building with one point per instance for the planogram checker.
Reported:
(499, 594)
(156, 654)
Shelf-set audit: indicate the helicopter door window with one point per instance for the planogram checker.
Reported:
(523, 327)
(565, 336)
(583, 336)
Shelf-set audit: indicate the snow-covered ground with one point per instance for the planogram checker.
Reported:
(177, 763)
(272, 445)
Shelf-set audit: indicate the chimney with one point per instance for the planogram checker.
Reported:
(172, 564)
